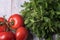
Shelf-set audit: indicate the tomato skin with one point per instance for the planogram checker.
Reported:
(21, 33)
(7, 36)
(3, 27)
(17, 20)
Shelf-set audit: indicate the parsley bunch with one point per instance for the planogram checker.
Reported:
(42, 17)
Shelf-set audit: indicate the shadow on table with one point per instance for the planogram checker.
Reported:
(30, 36)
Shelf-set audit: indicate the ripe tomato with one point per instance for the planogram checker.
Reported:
(21, 33)
(16, 21)
(7, 36)
(3, 26)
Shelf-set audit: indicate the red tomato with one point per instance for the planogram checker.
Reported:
(3, 26)
(21, 33)
(7, 36)
(16, 21)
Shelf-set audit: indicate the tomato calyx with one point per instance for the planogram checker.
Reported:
(1, 23)
(12, 22)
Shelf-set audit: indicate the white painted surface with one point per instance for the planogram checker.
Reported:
(5, 7)
(8, 7)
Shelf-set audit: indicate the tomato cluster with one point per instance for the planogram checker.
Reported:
(13, 28)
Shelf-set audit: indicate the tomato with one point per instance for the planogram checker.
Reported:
(16, 21)
(3, 26)
(7, 36)
(21, 33)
